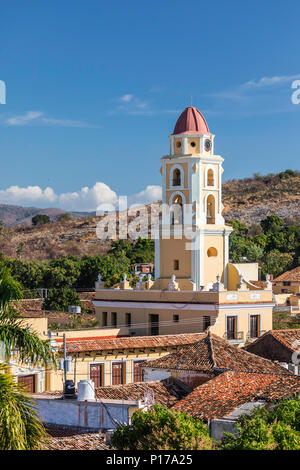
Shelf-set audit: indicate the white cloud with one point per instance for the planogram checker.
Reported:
(39, 118)
(270, 81)
(28, 195)
(152, 193)
(242, 92)
(86, 199)
(24, 119)
(126, 98)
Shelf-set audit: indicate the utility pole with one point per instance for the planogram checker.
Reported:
(75, 363)
(65, 358)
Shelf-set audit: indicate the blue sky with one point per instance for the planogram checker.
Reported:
(95, 88)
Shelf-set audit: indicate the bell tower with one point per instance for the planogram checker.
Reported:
(192, 190)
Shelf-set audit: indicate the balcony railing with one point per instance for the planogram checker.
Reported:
(234, 335)
(251, 335)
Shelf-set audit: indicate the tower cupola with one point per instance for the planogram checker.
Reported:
(191, 134)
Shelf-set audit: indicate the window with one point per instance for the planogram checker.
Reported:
(128, 320)
(210, 178)
(104, 318)
(118, 373)
(154, 324)
(97, 374)
(231, 327)
(113, 319)
(254, 326)
(176, 264)
(212, 252)
(176, 210)
(178, 144)
(210, 209)
(206, 322)
(138, 372)
(193, 144)
(286, 283)
(176, 177)
(175, 318)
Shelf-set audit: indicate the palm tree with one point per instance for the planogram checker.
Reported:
(20, 427)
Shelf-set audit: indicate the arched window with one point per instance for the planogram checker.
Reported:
(177, 210)
(212, 252)
(176, 177)
(210, 177)
(210, 210)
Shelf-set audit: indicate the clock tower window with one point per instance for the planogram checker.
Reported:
(210, 210)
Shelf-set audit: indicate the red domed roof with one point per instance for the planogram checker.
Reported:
(191, 121)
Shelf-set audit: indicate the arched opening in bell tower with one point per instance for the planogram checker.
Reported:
(210, 177)
(176, 180)
(210, 210)
(177, 210)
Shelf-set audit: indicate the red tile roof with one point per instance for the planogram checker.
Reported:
(191, 121)
(288, 338)
(63, 438)
(221, 395)
(290, 276)
(102, 344)
(212, 355)
(165, 392)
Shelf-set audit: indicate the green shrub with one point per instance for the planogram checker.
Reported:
(162, 429)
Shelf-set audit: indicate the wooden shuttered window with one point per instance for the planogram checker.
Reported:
(97, 374)
(118, 373)
(28, 382)
(138, 372)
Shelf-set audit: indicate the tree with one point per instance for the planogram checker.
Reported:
(90, 267)
(40, 219)
(10, 289)
(277, 263)
(272, 223)
(263, 429)
(20, 428)
(64, 217)
(60, 299)
(162, 429)
(254, 252)
(20, 249)
(19, 424)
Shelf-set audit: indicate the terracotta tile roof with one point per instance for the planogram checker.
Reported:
(260, 284)
(100, 344)
(27, 305)
(221, 395)
(166, 392)
(63, 438)
(289, 276)
(288, 338)
(63, 318)
(212, 355)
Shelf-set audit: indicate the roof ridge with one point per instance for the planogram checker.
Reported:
(211, 351)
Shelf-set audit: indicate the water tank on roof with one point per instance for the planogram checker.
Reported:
(69, 389)
(86, 390)
(74, 309)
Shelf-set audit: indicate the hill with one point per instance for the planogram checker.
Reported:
(249, 200)
(17, 215)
